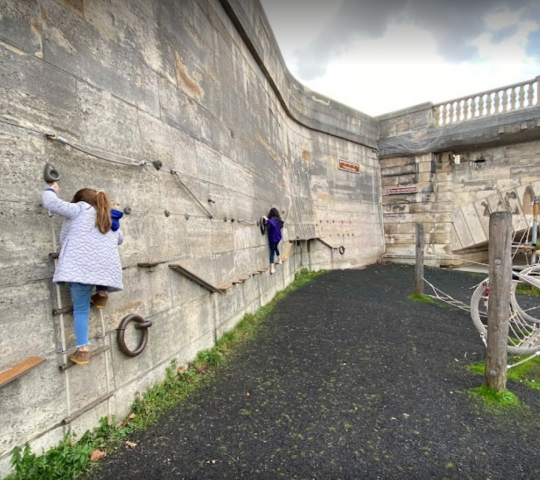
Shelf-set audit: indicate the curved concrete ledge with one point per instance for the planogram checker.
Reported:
(308, 108)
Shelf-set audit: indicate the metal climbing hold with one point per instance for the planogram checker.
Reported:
(157, 164)
(50, 174)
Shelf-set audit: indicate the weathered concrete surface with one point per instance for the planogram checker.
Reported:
(202, 87)
(456, 176)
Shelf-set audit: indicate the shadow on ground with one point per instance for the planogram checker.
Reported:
(347, 379)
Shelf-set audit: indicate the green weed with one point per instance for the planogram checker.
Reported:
(526, 289)
(494, 400)
(527, 373)
(421, 298)
(70, 459)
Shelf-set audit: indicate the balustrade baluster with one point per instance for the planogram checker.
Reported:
(436, 115)
(530, 94)
(489, 103)
(538, 90)
(497, 102)
(481, 105)
(451, 112)
(459, 110)
(504, 100)
(521, 96)
(512, 98)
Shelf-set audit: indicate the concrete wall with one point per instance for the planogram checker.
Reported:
(201, 87)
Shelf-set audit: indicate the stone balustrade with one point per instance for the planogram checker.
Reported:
(491, 102)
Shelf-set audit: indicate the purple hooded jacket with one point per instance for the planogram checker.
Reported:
(274, 229)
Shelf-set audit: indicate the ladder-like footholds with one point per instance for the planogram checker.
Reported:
(93, 353)
(19, 370)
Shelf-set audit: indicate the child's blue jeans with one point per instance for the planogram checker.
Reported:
(273, 251)
(81, 294)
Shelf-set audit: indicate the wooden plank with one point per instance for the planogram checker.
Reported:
(195, 278)
(20, 369)
(287, 252)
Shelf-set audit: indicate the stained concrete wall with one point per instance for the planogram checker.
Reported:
(201, 87)
(451, 178)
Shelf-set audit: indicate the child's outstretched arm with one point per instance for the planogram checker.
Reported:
(52, 203)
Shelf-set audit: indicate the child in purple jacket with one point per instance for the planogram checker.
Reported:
(274, 224)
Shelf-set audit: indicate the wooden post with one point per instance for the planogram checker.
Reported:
(500, 279)
(419, 283)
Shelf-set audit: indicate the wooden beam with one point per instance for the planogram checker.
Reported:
(19, 370)
(419, 270)
(500, 279)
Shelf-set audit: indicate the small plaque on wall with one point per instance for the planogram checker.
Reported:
(402, 190)
(348, 166)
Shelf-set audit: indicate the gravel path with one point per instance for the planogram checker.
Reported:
(347, 379)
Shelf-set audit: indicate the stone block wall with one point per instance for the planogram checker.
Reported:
(450, 178)
(201, 87)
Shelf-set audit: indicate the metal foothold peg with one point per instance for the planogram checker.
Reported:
(157, 164)
(167, 213)
(50, 174)
(127, 210)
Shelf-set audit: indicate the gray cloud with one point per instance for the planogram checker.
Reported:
(454, 24)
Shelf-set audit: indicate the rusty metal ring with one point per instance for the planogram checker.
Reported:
(141, 324)
(341, 250)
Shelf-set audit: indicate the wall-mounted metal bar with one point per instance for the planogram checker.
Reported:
(90, 406)
(195, 278)
(60, 311)
(94, 353)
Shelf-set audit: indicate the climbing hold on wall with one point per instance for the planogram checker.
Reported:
(167, 213)
(157, 164)
(50, 174)
(141, 325)
(127, 210)
(262, 225)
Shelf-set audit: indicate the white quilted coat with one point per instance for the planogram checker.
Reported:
(86, 255)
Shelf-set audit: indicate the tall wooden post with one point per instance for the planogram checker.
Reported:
(500, 279)
(419, 282)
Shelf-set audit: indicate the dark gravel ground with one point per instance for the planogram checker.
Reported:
(347, 379)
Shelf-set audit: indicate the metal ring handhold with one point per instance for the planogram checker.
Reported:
(142, 325)
(262, 225)
(341, 250)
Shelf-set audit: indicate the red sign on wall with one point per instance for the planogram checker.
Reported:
(348, 166)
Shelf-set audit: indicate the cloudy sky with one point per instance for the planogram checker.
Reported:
(383, 55)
